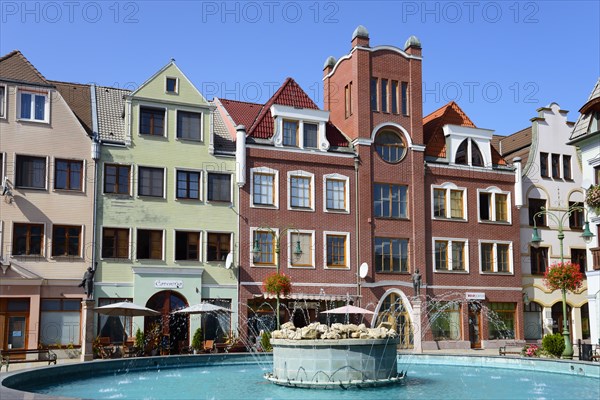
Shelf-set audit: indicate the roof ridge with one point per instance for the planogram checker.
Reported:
(69, 83)
(240, 101)
(267, 106)
(19, 54)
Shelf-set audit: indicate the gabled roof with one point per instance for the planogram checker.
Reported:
(433, 133)
(78, 98)
(15, 67)
(449, 114)
(289, 94)
(583, 122)
(258, 119)
(110, 104)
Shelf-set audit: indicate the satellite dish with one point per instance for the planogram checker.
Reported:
(363, 270)
(586, 183)
(229, 261)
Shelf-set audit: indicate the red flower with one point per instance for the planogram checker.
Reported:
(278, 284)
(563, 276)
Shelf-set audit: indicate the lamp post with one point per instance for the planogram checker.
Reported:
(276, 236)
(587, 236)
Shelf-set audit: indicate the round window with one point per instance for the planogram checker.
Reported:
(390, 146)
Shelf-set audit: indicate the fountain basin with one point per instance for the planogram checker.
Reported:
(331, 364)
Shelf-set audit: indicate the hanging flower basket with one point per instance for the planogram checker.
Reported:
(563, 276)
(592, 197)
(277, 284)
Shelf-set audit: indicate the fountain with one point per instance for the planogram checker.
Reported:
(340, 356)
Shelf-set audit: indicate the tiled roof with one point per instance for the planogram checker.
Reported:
(242, 113)
(15, 67)
(515, 142)
(223, 141)
(111, 107)
(583, 122)
(433, 123)
(79, 99)
(289, 94)
(259, 122)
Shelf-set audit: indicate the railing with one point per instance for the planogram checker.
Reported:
(596, 258)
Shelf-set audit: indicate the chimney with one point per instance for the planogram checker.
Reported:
(360, 37)
(240, 155)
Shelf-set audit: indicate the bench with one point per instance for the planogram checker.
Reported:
(515, 349)
(43, 355)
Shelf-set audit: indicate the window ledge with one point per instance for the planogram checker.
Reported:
(302, 209)
(302, 266)
(190, 141)
(118, 195)
(227, 203)
(35, 121)
(185, 199)
(270, 266)
(443, 271)
(69, 191)
(450, 219)
(115, 259)
(265, 206)
(30, 188)
(496, 222)
(393, 218)
(337, 211)
(393, 272)
(337, 268)
(67, 258)
(496, 273)
(146, 197)
(153, 137)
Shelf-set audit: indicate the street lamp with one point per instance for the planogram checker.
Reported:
(257, 251)
(587, 236)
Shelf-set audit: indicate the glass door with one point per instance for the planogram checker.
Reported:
(475, 325)
(16, 332)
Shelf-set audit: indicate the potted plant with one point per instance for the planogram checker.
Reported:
(139, 340)
(277, 284)
(197, 340)
(592, 198)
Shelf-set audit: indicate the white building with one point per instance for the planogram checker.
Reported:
(551, 181)
(586, 138)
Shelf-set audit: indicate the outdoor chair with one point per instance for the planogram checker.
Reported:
(208, 346)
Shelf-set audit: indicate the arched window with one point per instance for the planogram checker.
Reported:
(390, 146)
(476, 156)
(461, 153)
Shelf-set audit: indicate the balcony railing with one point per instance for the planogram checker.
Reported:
(596, 258)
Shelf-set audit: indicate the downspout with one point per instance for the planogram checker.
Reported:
(95, 156)
(356, 221)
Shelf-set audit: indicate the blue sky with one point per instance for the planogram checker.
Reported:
(500, 60)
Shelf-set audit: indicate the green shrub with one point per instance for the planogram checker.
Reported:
(139, 339)
(197, 339)
(265, 341)
(553, 345)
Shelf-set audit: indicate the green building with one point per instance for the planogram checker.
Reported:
(166, 209)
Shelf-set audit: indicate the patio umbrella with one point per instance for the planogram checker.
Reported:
(202, 308)
(126, 309)
(348, 309)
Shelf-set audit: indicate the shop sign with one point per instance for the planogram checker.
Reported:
(475, 296)
(168, 284)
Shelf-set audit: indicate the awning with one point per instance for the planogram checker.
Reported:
(308, 296)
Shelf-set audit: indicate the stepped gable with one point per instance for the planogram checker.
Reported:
(78, 98)
(15, 67)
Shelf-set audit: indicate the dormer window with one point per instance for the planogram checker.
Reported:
(462, 154)
(310, 136)
(33, 105)
(290, 133)
(171, 85)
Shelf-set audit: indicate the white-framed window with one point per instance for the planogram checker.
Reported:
(263, 240)
(449, 201)
(33, 105)
(495, 257)
(188, 184)
(264, 190)
(151, 181)
(187, 245)
(152, 121)
(149, 244)
(336, 193)
(493, 205)
(31, 172)
(300, 187)
(299, 128)
(304, 241)
(218, 187)
(3, 101)
(311, 135)
(450, 255)
(290, 133)
(171, 85)
(336, 251)
(189, 125)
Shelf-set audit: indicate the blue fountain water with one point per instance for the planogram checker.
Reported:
(246, 382)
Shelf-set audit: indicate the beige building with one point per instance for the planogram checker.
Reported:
(46, 206)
